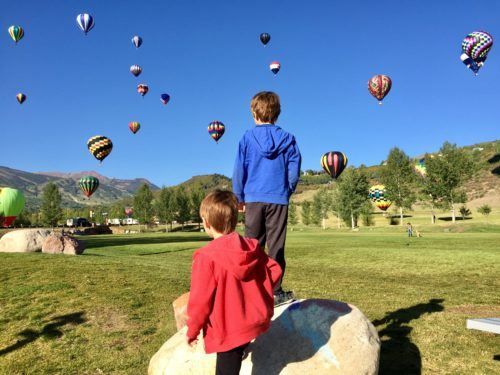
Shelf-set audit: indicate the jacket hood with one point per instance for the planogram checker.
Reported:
(270, 140)
(236, 254)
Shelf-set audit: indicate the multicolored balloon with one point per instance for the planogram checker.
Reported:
(275, 67)
(475, 48)
(16, 33)
(377, 194)
(134, 126)
(89, 185)
(420, 167)
(142, 89)
(165, 98)
(129, 211)
(85, 22)
(136, 70)
(21, 98)
(265, 38)
(333, 163)
(11, 204)
(137, 41)
(379, 86)
(216, 130)
(100, 146)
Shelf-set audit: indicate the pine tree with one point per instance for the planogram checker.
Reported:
(398, 177)
(143, 204)
(183, 206)
(50, 209)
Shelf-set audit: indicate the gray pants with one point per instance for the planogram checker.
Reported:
(266, 222)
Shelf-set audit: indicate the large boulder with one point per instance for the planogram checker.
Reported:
(311, 336)
(180, 310)
(23, 240)
(58, 243)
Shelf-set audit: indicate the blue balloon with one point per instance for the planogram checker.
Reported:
(165, 98)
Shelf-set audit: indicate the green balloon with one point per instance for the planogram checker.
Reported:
(11, 205)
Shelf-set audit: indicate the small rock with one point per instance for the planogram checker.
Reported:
(58, 243)
(23, 240)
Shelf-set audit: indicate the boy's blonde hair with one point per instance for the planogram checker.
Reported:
(220, 211)
(266, 107)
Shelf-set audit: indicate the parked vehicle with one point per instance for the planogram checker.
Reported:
(78, 222)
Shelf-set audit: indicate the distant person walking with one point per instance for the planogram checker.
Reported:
(409, 228)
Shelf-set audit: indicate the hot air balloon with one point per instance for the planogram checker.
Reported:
(333, 163)
(216, 130)
(16, 33)
(100, 146)
(134, 126)
(142, 89)
(165, 98)
(377, 195)
(136, 70)
(89, 185)
(275, 67)
(265, 38)
(85, 22)
(420, 167)
(137, 41)
(11, 205)
(129, 211)
(379, 86)
(21, 98)
(475, 48)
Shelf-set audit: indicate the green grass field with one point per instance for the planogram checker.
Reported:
(108, 311)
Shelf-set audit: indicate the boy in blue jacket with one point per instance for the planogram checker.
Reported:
(266, 172)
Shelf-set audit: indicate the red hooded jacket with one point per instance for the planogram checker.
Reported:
(231, 296)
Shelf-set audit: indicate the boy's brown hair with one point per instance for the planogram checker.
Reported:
(266, 107)
(220, 211)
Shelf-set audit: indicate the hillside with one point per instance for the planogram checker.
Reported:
(32, 184)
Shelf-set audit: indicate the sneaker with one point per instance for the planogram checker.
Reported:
(283, 297)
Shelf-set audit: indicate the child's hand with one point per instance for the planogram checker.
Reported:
(192, 342)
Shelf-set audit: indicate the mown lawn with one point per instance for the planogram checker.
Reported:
(108, 311)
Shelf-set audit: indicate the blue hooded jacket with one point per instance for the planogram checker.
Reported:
(267, 167)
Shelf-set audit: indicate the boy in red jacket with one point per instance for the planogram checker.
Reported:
(232, 280)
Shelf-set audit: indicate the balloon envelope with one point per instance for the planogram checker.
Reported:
(377, 195)
(379, 86)
(129, 211)
(21, 98)
(100, 146)
(142, 89)
(333, 163)
(11, 204)
(216, 130)
(134, 126)
(85, 22)
(475, 49)
(89, 185)
(275, 67)
(16, 33)
(137, 41)
(265, 38)
(165, 98)
(136, 70)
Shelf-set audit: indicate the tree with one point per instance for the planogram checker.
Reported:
(446, 175)
(322, 203)
(143, 204)
(352, 194)
(165, 206)
(50, 209)
(183, 207)
(292, 213)
(399, 180)
(197, 196)
(464, 212)
(306, 213)
(484, 210)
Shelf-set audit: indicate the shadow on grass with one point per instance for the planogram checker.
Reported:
(168, 251)
(457, 218)
(50, 331)
(494, 159)
(398, 354)
(496, 357)
(110, 241)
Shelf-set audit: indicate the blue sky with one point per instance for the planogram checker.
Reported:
(207, 56)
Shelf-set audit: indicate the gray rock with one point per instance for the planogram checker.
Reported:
(23, 240)
(58, 243)
(306, 337)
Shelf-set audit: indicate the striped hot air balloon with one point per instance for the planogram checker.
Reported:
(89, 185)
(21, 98)
(379, 86)
(134, 126)
(216, 130)
(275, 67)
(85, 21)
(137, 41)
(16, 33)
(136, 70)
(100, 146)
(333, 163)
